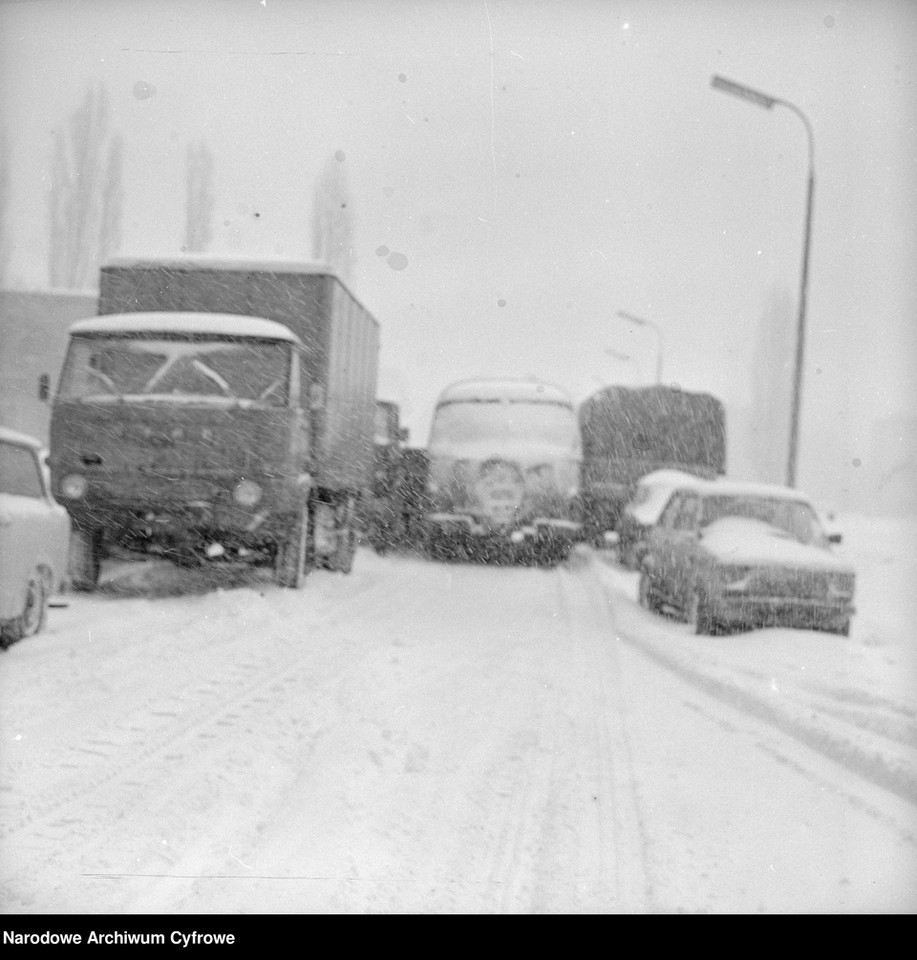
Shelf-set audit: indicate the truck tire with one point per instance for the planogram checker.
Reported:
(292, 552)
(346, 537)
(85, 558)
(342, 558)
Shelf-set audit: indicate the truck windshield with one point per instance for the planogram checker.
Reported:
(107, 368)
(459, 422)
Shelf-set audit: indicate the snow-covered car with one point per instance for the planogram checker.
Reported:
(643, 510)
(728, 554)
(34, 537)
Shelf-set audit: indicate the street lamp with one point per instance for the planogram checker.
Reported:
(624, 357)
(763, 100)
(653, 326)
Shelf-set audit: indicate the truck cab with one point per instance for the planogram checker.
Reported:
(180, 433)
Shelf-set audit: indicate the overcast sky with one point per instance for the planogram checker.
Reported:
(539, 166)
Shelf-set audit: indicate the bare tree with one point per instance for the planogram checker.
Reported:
(86, 193)
(111, 202)
(331, 218)
(772, 381)
(199, 191)
(5, 232)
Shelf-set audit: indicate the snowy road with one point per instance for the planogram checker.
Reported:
(423, 737)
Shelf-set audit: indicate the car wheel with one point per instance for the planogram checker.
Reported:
(698, 615)
(841, 627)
(645, 595)
(34, 613)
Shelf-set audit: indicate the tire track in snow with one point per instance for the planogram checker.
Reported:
(539, 863)
(624, 850)
(141, 745)
(870, 763)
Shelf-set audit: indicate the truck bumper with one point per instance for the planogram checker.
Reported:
(542, 539)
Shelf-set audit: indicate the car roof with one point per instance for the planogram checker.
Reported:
(22, 439)
(743, 488)
(668, 478)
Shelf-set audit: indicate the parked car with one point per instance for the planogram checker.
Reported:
(727, 554)
(34, 537)
(642, 511)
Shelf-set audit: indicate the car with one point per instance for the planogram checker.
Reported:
(34, 538)
(643, 510)
(728, 554)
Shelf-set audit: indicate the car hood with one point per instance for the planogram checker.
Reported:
(745, 541)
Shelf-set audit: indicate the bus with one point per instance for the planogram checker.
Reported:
(504, 460)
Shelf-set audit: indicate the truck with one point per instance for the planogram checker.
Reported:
(216, 410)
(395, 510)
(503, 472)
(629, 432)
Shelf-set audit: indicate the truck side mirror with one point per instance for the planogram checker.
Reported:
(44, 388)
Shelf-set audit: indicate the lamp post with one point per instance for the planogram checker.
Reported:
(763, 100)
(653, 326)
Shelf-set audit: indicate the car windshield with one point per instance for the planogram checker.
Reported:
(794, 517)
(174, 368)
(459, 422)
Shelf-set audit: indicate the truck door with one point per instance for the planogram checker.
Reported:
(302, 413)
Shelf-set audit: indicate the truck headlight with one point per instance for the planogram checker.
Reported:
(247, 493)
(74, 486)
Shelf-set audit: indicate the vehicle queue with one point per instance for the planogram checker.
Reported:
(513, 471)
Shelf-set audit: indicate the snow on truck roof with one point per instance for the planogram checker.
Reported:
(493, 390)
(217, 324)
(196, 261)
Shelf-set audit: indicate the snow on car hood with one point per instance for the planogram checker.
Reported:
(742, 540)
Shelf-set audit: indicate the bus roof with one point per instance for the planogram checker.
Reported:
(510, 390)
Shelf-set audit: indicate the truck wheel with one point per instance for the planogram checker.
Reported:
(345, 536)
(342, 558)
(33, 615)
(85, 558)
(290, 562)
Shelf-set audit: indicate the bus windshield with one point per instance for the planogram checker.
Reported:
(467, 421)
